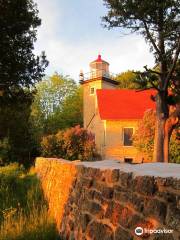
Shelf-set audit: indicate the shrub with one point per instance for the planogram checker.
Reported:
(174, 147)
(143, 138)
(72, 144)
(52, 146)
(4, 151)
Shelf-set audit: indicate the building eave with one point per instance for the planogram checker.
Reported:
(101, 79)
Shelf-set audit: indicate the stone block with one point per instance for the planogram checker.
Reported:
(97, 185)
(98, 231)
(155, 208)
(72, 236)
(95, 195)
(178, 202)
(115, 175)
(107, 192)
(163, 182)
(119, 214)
(121, 234)
(113, 212)
(176, 184)
(106, 176)
(98, 196)
(173, 217)
(136, 201)
(94, 173)
(125, 179)
(162, 237)
(71, 224)
(81, 170)
(90, 194)
(85, 220)
(167, 197)
(86, 182)
(144, 185)
(168, 182)
(122, 196)
(94, 208)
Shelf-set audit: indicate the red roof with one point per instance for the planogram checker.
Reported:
(99, 60)
(124, 104)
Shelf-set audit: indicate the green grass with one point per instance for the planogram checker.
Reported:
(23, 209)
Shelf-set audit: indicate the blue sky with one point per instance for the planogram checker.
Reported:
(72, 36)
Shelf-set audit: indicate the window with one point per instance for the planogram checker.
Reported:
(128, 160)
(128, 133)
(92, 90)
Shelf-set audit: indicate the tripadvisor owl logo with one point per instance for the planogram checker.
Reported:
(139, 231)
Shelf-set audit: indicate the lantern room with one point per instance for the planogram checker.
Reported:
(99, 68)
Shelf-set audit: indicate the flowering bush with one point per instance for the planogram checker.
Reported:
(72, 144)
(174, 147)
(143, 138)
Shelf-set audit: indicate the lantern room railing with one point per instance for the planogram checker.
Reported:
(96, 74)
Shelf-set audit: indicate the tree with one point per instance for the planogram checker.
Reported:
(143, 139)
(57, 105)
(15, 129)
(71, 113)
(51, 93)
(20, 69)
(127, 80)
(158, 22)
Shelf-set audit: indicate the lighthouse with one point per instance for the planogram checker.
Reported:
(98, 77)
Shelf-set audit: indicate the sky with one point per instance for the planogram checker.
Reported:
(72, 36)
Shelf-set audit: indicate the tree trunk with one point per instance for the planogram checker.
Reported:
(167, 136)
(159, 140)
(161, 117)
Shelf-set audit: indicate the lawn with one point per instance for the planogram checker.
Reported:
(23, 209)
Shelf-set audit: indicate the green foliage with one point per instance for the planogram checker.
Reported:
(158, 22)
(127, 80)
(174, 147)
(57, 105)
(15, 125)
(4, 151)
(51, 93)
(143, 138)
(71, 113)
(23, 209)
(72, 144)
(146, 17)
(19, 68)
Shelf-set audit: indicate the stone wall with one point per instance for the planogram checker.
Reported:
(108, 200)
